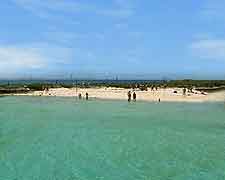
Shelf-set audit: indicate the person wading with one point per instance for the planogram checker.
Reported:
(129, 96)
(134, 96)
(86, 96)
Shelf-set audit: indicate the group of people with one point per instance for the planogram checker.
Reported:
(129, 96)
(135, 96)
(80, 96)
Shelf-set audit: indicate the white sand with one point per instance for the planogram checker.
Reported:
(121, 94)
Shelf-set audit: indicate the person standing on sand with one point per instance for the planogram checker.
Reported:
(184, 91)
(129, 96)
(134, 96)
(86, 96)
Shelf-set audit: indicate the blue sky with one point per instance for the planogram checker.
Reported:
(105, 38)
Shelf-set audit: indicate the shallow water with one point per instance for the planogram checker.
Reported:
(48, 138)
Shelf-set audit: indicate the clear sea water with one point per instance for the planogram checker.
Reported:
(49, 138)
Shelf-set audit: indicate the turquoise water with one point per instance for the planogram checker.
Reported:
(66, 139)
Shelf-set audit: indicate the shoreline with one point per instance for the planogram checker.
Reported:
(165, 95)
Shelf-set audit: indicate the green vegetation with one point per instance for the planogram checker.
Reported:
(196, 83)
(205, 85)
(201, 85)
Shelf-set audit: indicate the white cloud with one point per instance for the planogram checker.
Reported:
(121, 25)
(12, 58)
(214, 10)
(49, 9)
(213, 49)
(126, 3)
(52, 8)
(207, 45)
(32, 57)
(120, 13)
(71, 36)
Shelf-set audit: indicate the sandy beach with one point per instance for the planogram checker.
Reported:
(168, 94)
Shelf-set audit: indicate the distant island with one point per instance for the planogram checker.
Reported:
(148, 90)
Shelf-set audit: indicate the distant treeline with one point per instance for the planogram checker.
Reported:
(141, 84)
(196, 83)
(201, 85)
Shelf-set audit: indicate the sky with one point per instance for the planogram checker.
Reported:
(130, 39)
